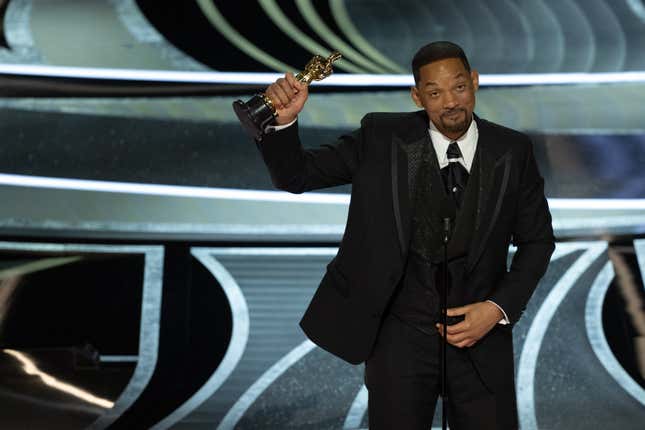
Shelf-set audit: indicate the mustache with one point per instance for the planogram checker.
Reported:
(453, 111)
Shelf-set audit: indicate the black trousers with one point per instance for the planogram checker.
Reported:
(403, 378)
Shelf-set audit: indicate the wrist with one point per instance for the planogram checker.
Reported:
(284, 120)
(495, 310)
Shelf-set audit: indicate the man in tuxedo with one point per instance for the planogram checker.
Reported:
(378, 302)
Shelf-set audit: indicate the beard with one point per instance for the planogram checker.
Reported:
(456, 125)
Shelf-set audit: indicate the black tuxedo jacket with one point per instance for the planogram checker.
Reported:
(346, 311)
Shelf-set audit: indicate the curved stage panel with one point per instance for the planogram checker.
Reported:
(68, 371)
(275, 377)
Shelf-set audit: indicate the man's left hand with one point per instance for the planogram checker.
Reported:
(479, 319)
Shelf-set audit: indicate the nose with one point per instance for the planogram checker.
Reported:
(449, 100)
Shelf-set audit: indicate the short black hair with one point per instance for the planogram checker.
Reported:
(436, 51)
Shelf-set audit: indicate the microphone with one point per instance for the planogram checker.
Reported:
(447, 213)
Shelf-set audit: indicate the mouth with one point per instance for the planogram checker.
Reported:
(454, 115)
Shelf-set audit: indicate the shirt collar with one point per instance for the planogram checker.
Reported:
(467, 144)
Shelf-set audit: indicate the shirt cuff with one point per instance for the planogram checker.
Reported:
(272, 128)
(504, 320)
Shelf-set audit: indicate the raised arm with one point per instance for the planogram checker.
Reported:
(293, 168)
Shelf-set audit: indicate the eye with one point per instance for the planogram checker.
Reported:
(461, 87)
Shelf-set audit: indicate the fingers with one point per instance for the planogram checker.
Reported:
(278, 95)
(465, 344)
(299, 86)
(457, 336)
(475, 325)
(461, 338)
(282, 91)
(458, 328)
(462, 310)
(461, 341)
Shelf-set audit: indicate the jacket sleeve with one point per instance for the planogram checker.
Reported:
(296, 170)
(533, 236)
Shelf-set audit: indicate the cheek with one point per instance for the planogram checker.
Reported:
(467, 99)
(435, 117)
(432, 105)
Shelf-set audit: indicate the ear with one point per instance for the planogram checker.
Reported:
(414, 93)
(474, 75)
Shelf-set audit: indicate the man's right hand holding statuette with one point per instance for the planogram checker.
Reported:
(288, 96)
(284, 99)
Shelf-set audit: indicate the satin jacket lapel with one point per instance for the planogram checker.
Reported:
(409, 137)
(494, 171)
(400, 195)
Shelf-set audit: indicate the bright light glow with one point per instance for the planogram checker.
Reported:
(354, 80)
(168, 190)
(560, 78)
(268, 196)
(138, 75)
(30, 368)
(598, 204)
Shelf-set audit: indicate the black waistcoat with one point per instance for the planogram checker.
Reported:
(417, 299)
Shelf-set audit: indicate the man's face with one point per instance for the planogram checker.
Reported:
(446, 90)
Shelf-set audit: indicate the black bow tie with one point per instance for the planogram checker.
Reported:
(455, 176)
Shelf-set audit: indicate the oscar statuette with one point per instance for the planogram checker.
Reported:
(259, 112)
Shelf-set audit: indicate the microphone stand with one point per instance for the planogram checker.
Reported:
(444, 320)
